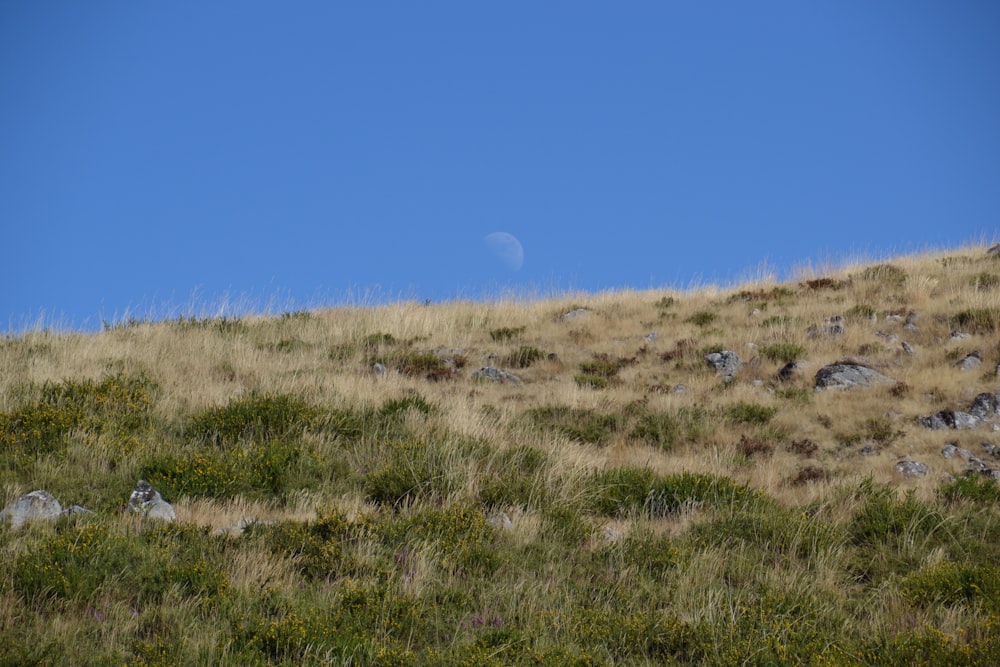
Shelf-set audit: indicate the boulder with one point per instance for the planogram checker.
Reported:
(911, 468)
(788, 371)
(34, 506)
(985, 406)
(575, 313)
(970, 361)
(725, 362)
(951, 451)
(848, 374)
(147, 501)
(495, 375)
(949, 419)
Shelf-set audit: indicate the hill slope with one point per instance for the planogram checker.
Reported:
(620, 501)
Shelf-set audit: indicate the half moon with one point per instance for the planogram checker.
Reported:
(507, 249)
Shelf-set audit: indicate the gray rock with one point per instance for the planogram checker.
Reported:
(147, 501)
(35, 506)
(868, 450)
(970, 362)
(959, 335)
(499, 520)
(911, 468)
(378, 368)
(495, 375)
(573, 314)
(788, 371)
(985, 406)
(725, 362)
(992, 450)
(832, 327)
(945, 419)
(950, 451)
(679, 389)
(76, 509)
(848, 374)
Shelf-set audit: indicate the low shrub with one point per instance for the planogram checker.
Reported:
(782, 352)
(666, 430)
(523, 357)
(977, 320)
(579, 424)
(504, 334)
(750, 413)
(888, 275)
(954, 584)
(259, 417)
(702, 318)
(974, 488)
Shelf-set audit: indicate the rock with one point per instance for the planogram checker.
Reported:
(76, 509)
(959, 335)
(679, 389)
(148, 501)
(950, 451)
(832, 327)
(725, 362)
(573, 314)
(788, 371)
(499, 520)
(985, 406)
(868, 450)
(378, 368)
(992, 450)
(949, 419)
(241, 527)
(495, 375)
(650, 337)
(911, 468)
(848, 374)
(35, 506)
(970, 361)
(907, 347)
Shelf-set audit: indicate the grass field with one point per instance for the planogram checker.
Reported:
(734, 522)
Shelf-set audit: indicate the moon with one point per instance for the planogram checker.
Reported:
(507, 249)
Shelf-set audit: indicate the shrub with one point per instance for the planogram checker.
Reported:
(665, 303)
(407, 470)
(514, 478)
(860, 312)
(985, 282)
(523, 357)
(702, 318)
(580, 424)
(675, 492)
(506, 333)
(974, 488)
(955, 584)
(782, 352)
(750, 413)
(667, 429)
(886, 274)
(751, 447)
(977, 320)
(253, 417)
(619, 491)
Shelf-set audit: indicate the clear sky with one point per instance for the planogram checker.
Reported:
(165, 158)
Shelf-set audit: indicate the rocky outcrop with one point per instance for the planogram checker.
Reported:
(985, 406)
(845, 375)
(147, 501)
(945, 419)
(970, 361)
(34, 506)
(911, 468)
(727, 363)
(491, 374)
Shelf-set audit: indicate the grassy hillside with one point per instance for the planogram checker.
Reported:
(735, 520)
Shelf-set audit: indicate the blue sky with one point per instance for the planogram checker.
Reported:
(164, 158)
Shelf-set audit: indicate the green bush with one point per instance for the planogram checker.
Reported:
(619, 491)
(515, 478)
(665, 430)
(886, 274)
(750, 413)
(955, 584)
(592, 381)
(975, 488)
(580, 424)
(702, 318)
(506, 333)
(259, 417)
(407, 470)
(523, 357)
(782, 352)
(985, 282)
(977, 320)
